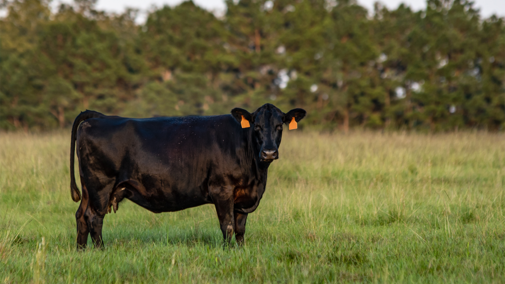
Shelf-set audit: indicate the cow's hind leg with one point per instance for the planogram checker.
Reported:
(82, 226)
(95, 224)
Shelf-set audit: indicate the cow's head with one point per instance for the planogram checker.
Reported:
(266, 125)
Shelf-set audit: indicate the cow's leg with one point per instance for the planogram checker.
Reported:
(240, 220)
(82, 226)
(95, 223)
(224, 210)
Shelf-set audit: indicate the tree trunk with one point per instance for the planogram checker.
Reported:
(345, 124)
(387, 103)
(59, 114)
(85, 101)
(16, 122)
(365, 118)
(257, 40)
(166, 75)
(408, 107)
(320, 102)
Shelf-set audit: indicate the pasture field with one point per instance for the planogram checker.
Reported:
(363, 207)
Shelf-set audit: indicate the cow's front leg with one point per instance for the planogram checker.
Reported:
(240, 220)
(224, 209)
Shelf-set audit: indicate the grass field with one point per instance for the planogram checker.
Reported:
(366, 207)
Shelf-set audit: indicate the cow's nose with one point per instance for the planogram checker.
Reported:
(269, 154)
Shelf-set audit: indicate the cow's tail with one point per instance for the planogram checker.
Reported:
(76, 194)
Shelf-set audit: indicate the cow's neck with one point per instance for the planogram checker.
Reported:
(262, 171)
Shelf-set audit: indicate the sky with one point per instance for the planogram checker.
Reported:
(487, 7)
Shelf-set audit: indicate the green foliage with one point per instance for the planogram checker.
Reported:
(439, 69)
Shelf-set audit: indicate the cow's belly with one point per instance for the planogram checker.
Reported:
(166, 199)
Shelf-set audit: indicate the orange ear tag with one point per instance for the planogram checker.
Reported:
(293, 124)
(245, 123)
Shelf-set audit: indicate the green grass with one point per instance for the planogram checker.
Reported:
(366, 207)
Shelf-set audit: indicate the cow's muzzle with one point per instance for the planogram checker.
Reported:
(269, 155)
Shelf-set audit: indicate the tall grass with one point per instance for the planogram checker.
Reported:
(366, 207)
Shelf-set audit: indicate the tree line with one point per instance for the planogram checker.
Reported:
(438, 69)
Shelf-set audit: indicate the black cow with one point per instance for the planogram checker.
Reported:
(172, 163)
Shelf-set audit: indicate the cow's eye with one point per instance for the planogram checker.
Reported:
(257, 127)
(279, 127)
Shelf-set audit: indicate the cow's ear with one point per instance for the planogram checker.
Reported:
(293, 117)
(242, 116)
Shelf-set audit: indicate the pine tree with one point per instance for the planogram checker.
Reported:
(19, 87)
(185, 44)
(352, 52)
(87, 57)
